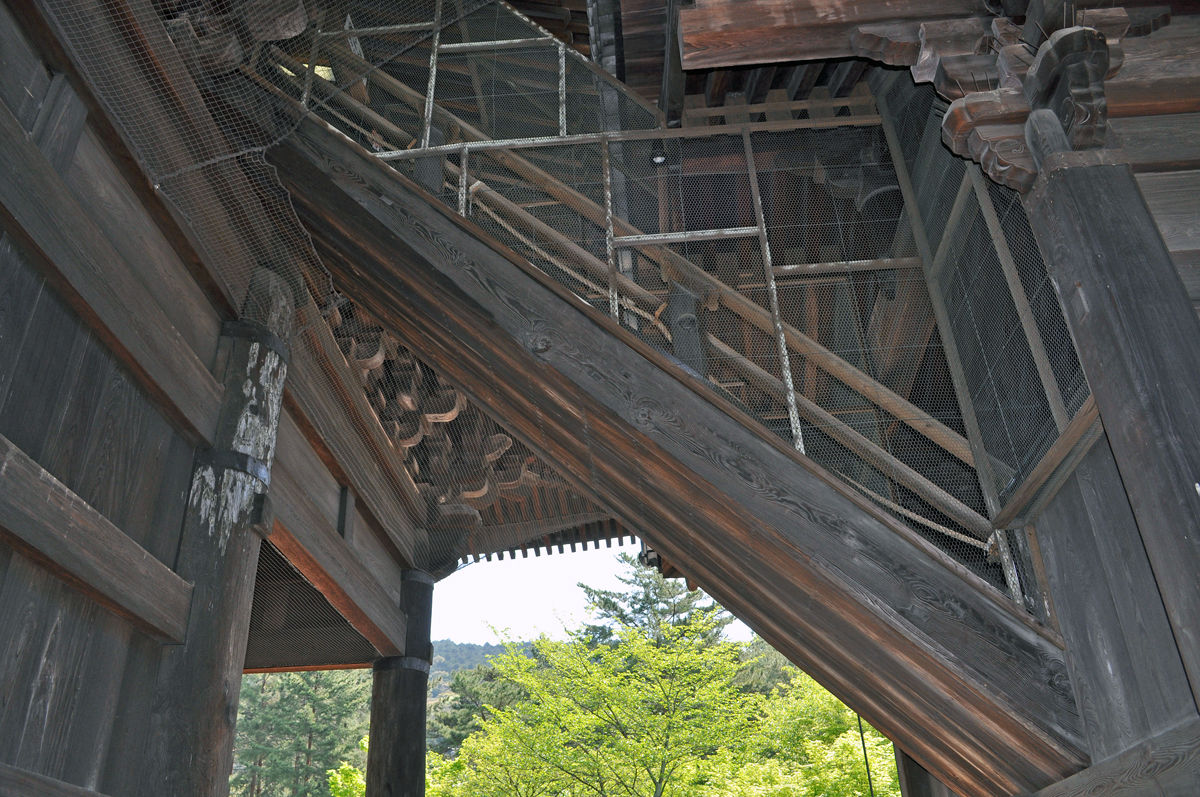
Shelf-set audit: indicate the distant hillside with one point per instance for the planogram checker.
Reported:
(449, 657)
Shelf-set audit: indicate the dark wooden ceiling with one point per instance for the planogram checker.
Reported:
(641, 49)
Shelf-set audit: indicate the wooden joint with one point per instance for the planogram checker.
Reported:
(1067, 77)
(236, 461)
(401, 663)
(257, 333)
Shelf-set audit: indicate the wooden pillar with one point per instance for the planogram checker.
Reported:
(196, 700)
(1138, 339)
(396, 757)
(915, 780)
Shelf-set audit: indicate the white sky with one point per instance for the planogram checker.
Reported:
(527, 597)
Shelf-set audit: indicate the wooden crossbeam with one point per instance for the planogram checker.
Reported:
(42, 518)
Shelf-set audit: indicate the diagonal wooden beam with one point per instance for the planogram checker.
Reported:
(690, 275)
(783, 543)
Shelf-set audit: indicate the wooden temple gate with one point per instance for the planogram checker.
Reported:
(260, 285)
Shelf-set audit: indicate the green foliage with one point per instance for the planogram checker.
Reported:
(451, 657)
(637, 717)
(651, 603)
(293, 727)
(347, 781)
(458, 712)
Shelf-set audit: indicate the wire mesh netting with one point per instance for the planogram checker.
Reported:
(778, 266)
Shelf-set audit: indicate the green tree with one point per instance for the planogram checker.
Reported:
(293, 727)
(637, 718)
(457, 713)
(651, 602)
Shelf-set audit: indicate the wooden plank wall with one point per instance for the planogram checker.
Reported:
(76, 678)
(66, 663)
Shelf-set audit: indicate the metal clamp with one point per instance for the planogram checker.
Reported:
(258, 333)
(236, 460)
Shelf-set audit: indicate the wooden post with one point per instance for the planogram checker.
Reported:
(1136, 333)
(396, 757)
(915, 780)
(192, 724)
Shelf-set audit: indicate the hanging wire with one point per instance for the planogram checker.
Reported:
(866, 760)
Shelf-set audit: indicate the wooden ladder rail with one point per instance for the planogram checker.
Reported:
(688, 274)
(943, 501)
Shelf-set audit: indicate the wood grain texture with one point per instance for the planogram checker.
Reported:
(46, 520)
(1125, 666)
(311, 543)
(16, 782)
(1135, 331)
(1167, 765)
(1159, 143)
(1174, 201)
(25, 77)
(723, 33)
(98, 185)
(37, 209)
(776, 539)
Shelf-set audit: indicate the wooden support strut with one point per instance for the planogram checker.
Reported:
(699, 466)
(396, 757)
(193, 721)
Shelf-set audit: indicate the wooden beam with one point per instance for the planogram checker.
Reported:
(39, 211)
(1159, 143)
(307, 540)
(1135, 331)
(16, 782)
(724, 33)
(1033, 336)
(1126, 671)
(670, 96)
(723, 496)
(198, 682)
(1168, 764)
(1054, 466)
(399, 701)
(982, 461)
(48, 522)
(859, 445)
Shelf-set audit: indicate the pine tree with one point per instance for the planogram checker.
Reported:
(651, 603)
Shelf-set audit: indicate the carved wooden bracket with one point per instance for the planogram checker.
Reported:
(1066, 76)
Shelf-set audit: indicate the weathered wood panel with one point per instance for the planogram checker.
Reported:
(103, 193)
(721, 33)
(1125, 667)
(1159, 143)
(46, 520)
(1167, 765)
(1174, 201)
(16, 782)
(25, 79)
(313, 547)
(773, 537)
(38, 211)
(1135, 330)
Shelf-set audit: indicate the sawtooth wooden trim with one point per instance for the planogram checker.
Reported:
(653, 449)
(38, 209)
(57, 528)
(17, 782)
